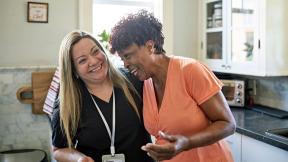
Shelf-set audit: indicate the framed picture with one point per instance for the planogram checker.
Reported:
(37, 12)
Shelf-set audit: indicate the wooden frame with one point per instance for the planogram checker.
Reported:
(37, 12)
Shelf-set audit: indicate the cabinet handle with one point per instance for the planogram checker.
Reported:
(223, 66)
(228, 67)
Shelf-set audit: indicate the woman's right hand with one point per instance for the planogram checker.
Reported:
(85, 159)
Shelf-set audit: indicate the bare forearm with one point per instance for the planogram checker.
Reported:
(215, 132)
(67, 155)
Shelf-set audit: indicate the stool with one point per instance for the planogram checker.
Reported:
(23, 155)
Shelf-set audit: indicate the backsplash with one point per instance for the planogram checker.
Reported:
(273, 92)
(19, 128)
(270, 91)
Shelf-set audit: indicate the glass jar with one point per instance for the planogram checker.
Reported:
(218, 10)
(209, 22)
(217, 22)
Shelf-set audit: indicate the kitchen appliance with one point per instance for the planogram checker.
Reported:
(234, 92)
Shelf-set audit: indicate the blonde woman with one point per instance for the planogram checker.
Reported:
(99, 114)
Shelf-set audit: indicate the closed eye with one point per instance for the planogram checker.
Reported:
(126, 57)
(95, 50)
(82, 61)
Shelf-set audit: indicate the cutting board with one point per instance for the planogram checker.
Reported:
(40, 84)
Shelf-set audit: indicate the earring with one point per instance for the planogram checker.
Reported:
(77, 76)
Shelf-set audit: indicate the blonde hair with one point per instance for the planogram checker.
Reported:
(70, 94)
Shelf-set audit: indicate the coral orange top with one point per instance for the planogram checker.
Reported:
(189, 83)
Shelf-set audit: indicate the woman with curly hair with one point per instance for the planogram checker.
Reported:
(184, 107)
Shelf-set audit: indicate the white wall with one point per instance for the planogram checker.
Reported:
(185, 29)
(34, 44)
(180, 27)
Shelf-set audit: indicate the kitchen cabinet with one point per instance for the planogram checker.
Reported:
(235, 144)
(254, 150)
(246, 149)
(247, 37)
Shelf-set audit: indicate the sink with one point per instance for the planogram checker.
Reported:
(280, 133)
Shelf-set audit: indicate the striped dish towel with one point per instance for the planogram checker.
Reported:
(51, 99)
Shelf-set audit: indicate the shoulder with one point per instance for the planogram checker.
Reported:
(186, 65)
(192, 69)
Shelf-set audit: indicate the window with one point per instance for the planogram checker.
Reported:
(106, 13)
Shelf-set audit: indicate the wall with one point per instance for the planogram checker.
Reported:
(35, 43)
(24, 48)
(273, 92)
(185, 28)
(180, 27)
(270, 91)
(19, 128)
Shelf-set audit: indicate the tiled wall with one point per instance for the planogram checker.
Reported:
(273, 92)
(19, 128)
(270, 91)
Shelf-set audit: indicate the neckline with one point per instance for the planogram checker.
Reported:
(101, 100)
(161, 105)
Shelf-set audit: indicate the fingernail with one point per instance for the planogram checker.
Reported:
(161, 133)
(143, 148)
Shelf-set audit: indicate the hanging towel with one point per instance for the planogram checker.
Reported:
(51, 99)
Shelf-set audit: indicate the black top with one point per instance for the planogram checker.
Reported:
(92, 136)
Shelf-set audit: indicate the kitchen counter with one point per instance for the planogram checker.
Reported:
(254, 124)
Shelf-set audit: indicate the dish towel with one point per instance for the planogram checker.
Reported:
(50, 101)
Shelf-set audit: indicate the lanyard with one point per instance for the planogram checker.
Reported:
(112, 137)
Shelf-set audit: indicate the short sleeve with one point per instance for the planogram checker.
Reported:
(201, 83)
(58, 138)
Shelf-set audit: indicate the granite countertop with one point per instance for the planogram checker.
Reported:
(254, 124)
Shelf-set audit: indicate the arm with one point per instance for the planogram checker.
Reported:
(222, 125)
(223, 122)
(62, 153)
(69, 155)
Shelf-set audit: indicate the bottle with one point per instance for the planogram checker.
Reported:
(209, 22)
(218, 10)
(217, 16)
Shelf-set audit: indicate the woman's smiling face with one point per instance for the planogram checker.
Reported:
(137, 59)
(89, 61)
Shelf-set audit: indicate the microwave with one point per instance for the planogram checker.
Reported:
(234, 92)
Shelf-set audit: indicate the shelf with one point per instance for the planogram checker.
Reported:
(211, 1)
(242, 11)
(213, 30)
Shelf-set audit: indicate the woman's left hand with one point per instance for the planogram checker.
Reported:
(175, 145)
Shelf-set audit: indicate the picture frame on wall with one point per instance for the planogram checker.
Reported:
(37, 12)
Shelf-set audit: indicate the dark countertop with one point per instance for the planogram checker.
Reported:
(254, 124)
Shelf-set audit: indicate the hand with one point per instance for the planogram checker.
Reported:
(85, 159)
(175, 145)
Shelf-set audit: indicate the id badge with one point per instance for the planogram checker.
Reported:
(115, 158)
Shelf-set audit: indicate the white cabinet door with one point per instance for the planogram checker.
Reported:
(214, 34)
(245, 36)
(235, 144)
(257, 151)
